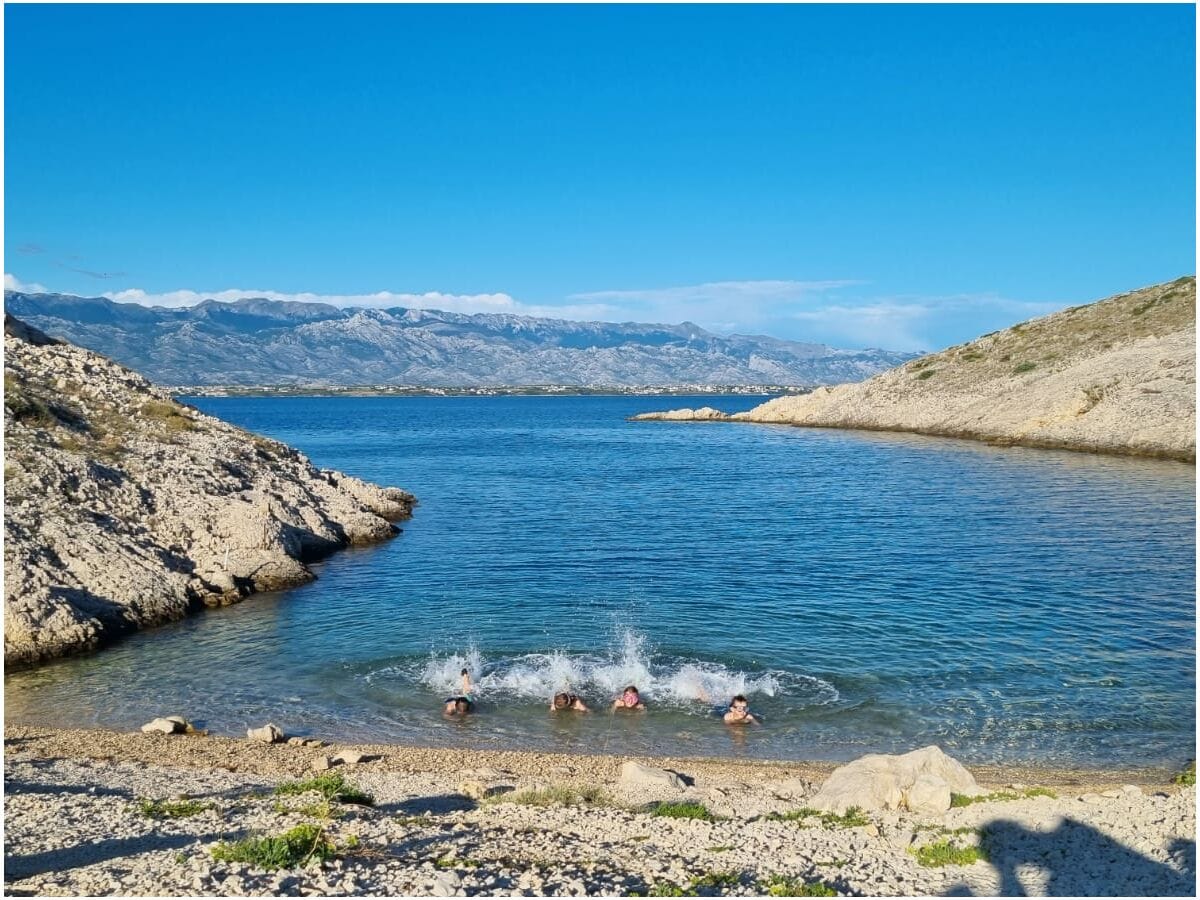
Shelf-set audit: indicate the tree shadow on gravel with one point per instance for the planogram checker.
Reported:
(429, 806)
(86, 854)
(1081, 861)
(37, 787)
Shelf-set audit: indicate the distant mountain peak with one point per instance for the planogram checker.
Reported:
(260, 341)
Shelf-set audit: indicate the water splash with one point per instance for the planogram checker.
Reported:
(669, 680)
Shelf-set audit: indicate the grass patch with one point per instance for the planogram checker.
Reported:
(926, 374)
(297, 847)
(945, 853)
(556, 795)
(683, 811)
(1024, 367)
(455, 862)
(851, 818)
(171, 809)
(701, 885)
(168, 414)
(971, 356)
(958, 801)
(332, 786)
(1188, 776)
(782, 886)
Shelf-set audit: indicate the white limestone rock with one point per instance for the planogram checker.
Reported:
(125, 509)
(918, 781)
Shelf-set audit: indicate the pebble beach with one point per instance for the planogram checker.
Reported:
(92, 812)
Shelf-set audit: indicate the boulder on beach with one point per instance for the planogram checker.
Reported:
(921, 781)
(166, 725)
(636, 775)
(268, 734)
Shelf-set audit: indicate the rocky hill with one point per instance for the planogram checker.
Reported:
(125, 509)
(1115, 376)
(267, 342)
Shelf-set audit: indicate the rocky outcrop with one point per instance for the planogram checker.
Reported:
(921, 782)
(1116, 376)
(125, 509)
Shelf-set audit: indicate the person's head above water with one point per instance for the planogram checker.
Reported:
(630, 698)
(563, 701)
(739, 712)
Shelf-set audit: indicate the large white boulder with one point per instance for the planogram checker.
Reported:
(635, 775)
(921, 781)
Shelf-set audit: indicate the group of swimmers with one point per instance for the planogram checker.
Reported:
(737, 713)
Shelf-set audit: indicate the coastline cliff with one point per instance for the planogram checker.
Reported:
(1114, 376)
(126, 509)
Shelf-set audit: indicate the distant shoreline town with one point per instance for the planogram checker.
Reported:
(546, 390)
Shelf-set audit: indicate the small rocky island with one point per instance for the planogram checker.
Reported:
(126, 509)
(1115, 376)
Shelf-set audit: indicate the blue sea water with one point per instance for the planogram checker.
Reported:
(868, 592)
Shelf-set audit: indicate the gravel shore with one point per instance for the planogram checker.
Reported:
(77, 821)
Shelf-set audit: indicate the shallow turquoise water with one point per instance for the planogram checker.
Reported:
(869, 592)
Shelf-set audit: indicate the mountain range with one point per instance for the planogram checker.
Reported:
(270, 342)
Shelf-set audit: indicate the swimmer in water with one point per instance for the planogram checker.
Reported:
(465, 702)
(629, 699)
(739, 712)
(564, 701)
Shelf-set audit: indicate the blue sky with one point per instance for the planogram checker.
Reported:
(906, 177)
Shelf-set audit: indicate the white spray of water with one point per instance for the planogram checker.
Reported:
(601, 676)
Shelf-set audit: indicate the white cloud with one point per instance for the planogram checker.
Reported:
(918, 323)
(820, 311)
(12, 283)
(460, 303)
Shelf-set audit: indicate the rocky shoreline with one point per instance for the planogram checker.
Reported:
(1117, 376)
(96, 813)
(125, 509)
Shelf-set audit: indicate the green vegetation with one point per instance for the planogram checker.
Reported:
(170, 414)
(782, 886)
(1024, 367)
(701, 885)
(332, 786)
(1188, 776)
(960, 800)
(945, 853)
(683, 811)
(851, 818)
(299, 846)
(456, 862)
(557, 795)
(171, 809)
(927, 374)
(721, 848)
(970, 356)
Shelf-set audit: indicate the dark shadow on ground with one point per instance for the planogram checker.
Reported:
(35, 787)
(1081, 861)
(430, 806)
(18, 867)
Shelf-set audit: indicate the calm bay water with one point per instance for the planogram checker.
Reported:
(869, 592)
